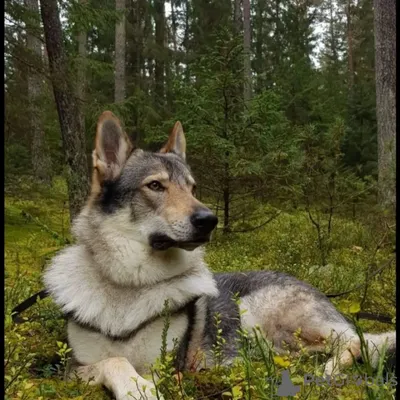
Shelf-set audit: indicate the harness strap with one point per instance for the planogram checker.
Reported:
(129, 335)
(182, 351)
(25, 305)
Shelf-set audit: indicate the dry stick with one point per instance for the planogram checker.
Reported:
(45, 227)
(259, 226)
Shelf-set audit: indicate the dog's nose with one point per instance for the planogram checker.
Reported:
(204, 221)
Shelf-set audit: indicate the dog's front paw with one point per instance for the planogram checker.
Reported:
(139, 389)
(331, 367)
(90, 373)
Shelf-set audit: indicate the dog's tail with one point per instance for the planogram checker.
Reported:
(379, 344)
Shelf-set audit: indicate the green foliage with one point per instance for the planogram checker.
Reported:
(241, 142)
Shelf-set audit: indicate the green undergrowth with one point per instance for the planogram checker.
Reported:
(37, 226)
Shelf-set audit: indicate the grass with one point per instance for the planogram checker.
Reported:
(37, 226)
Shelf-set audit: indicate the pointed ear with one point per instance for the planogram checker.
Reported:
(176, 142)
(112, 147)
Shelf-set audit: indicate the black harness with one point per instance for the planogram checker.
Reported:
(189, 309)
(25, 305)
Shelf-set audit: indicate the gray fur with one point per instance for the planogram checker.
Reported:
(254, 283)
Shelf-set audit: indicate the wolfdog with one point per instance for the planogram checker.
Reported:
(139, 243)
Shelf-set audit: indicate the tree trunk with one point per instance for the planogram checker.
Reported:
(278, 33)
(237, 22)
(349, 38)
(120, 42)
(168, 62)
(159, 67)
(259, 59)
(147, 37)
(247, 50)
(81, 81)
(72, 134)
(350, 45)
(41, 160)
(186, 39)
(174, 39)
(385, 70)
(227, 199)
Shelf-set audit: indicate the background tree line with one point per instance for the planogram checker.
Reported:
(290, 102)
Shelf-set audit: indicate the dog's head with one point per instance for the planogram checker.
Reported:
(152, 192)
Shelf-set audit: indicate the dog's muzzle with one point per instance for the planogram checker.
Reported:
(203, 222)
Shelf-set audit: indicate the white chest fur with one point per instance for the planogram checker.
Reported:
(141, 350)
(78, 286)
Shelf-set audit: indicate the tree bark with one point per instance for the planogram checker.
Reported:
(174, 38)
(237, 22)
(186, 40)
(385, 72)
(159, 67)
(350, 45)
(247, 50)
(259, 59)
(41, 160)
(147, 37)
(120, 44)
(349, 37)
(81, 81)
(72, 134)
(168, 62)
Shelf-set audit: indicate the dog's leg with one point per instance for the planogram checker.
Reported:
(346, 352)
(119, 376)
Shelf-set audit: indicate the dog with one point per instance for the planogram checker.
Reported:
(139, 244)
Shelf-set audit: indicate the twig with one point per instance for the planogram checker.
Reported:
(259, 226)
(45, 227)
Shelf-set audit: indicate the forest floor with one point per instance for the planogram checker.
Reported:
(37, 226)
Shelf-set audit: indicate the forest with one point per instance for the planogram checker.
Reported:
(288, 107)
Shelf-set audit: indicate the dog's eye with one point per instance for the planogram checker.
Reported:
(156, 186)
(194, 190)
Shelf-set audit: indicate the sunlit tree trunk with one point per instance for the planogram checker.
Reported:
(385, 70)
(120, 45)
(159, 67)
(41, 160)
(247, 50)
(350, 50)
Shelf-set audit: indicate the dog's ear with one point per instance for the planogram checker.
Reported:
(112, 147)
(176, 142)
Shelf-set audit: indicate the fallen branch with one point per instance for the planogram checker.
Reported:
(55, 235)
(259, 226)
